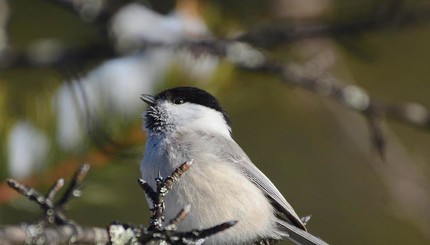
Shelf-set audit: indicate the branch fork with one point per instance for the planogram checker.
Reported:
(55, 228)
(157, 232)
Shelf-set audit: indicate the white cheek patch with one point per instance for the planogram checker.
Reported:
(193, 117)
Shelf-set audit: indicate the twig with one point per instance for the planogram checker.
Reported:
(179, 217)
(65, 234)
(391, 14)
(124, 233)
(53, 227)
(53, 212)
(157, 197)
(61, 230)
(73, 191)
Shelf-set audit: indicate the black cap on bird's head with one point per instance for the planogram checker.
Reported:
(182, 95)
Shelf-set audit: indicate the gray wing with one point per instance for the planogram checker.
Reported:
(299, 236)
(291, 227)
(291, 223)
(232, 152)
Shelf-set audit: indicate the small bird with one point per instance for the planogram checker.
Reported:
(188, 123)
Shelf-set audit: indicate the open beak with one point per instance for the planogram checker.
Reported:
(148, 99)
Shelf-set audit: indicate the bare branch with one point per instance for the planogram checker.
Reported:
(72, 191)
(389, 15)
(124, 233)
(62, 231)
(181, 216)
(37, 234)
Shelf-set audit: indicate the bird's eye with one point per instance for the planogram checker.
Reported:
(178, 101)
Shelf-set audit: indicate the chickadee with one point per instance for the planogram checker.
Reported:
(223, 184)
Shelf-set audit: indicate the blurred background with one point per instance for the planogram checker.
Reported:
(71, 73)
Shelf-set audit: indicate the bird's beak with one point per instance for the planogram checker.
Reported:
(148, 99)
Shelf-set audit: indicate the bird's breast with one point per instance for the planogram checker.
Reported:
(215, 188)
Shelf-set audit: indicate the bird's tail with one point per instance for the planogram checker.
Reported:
(298, 236)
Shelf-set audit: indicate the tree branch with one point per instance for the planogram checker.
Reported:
(55, 228)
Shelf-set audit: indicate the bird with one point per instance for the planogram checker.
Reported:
(223, 184)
